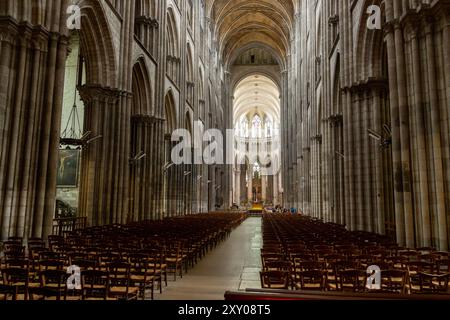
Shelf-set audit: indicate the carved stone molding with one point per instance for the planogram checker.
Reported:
(90, 93)
(148, 21)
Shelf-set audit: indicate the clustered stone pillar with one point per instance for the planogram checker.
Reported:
(32, 62)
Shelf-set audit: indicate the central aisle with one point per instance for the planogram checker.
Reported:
(234, 265)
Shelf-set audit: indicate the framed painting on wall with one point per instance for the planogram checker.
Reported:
(68, 168)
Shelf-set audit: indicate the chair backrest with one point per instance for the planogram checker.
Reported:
(109, 257)
(49, 255)
(309, 265)
(303, 257)
(275, 279)
(278, 266)
(85, 264)
(76, 256)
(13, 250)
(45, 265)
(142, 264)
(334, 258)
(265, 258)
(432, 283)
(35, 243)
(393, 281)
(420, 266)
(352, 280)
(119, 274)
(16, 276)
(340, 266)
(54, 279)
(16, 239)
(411, 255)
(17, 263)
(312, 280)
(94, 284)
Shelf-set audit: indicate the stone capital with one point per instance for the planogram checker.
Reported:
(91, 93)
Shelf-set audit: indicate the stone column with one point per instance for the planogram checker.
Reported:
(436, 139)
(395, 120)
(420, 137)
(100, 157)
(275, 190)
(405, 168)
(237, 184)
(250, 186)
(378, 170)
(263, 189)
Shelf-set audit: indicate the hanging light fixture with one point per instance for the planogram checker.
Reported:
(72, 135)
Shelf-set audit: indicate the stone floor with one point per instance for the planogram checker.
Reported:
(234, 265)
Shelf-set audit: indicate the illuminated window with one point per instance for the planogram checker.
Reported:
(244, 128)
(256, 127)
(269, 129)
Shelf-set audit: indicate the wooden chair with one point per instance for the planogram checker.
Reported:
(394, 281)
(397, 262)
(142, 273)
(174, 261)
(415, 268)
(301, 266)
(53, 286)
(311, 280)
(431, 284)
(334, 271)
(443, 266)
(120, 285)
(8, 292)
(352, 280)
(94, 285)
(275, 279)
(18, 278)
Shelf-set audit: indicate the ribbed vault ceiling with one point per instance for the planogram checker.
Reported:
(239, 23)
(257, 93)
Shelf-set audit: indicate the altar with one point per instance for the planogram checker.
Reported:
(256, 209)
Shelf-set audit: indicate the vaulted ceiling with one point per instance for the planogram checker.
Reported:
(240, 23)
(257, 93)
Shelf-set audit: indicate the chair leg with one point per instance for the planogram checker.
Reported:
(153, 286)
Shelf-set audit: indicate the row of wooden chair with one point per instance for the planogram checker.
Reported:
(115, 262)
(306, 254)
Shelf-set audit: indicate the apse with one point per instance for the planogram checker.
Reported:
(256, 119)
